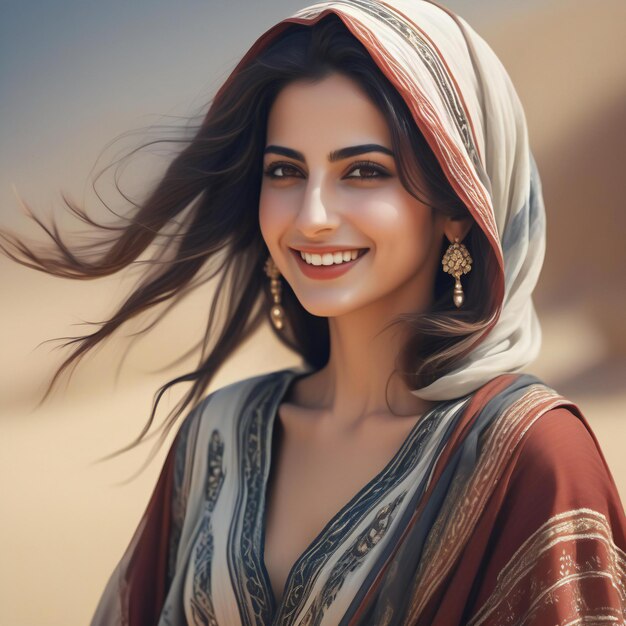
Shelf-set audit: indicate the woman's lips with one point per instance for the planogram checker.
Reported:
(325, 272)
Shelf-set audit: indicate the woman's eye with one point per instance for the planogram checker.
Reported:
(367, 170)
(281, 170)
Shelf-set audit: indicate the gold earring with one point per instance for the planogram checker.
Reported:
(277, 313)
(457, 261)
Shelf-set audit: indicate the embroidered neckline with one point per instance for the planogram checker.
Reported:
(306, 567)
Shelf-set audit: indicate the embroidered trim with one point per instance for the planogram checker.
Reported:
(201, 603)
(467, 498)
(351, 560)
(249, 580)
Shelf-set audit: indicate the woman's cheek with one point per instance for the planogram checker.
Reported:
(270, 217)
(404, 232)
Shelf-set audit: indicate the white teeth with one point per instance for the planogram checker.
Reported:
(329, 258)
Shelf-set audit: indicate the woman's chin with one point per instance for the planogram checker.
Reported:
(329, 309)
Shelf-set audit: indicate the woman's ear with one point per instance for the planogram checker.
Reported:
(457, 228)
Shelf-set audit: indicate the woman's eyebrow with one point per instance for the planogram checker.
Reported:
(344, 153)
(288, 152)
(335, 155)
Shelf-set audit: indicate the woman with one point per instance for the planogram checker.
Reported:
(372, 159)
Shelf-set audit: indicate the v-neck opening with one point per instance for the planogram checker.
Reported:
(284, 386)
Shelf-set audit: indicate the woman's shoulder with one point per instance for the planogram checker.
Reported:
(552, 431)
(554, 526)
(545, 448)
(560, 435)
(560, 467)
(226, 402)
(560, 447)
(212, 425)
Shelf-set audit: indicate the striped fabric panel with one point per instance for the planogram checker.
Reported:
(460, 516)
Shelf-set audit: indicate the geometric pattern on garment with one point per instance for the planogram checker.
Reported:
(351, 560)
(226, 581)
(201, 605)
(317, 578)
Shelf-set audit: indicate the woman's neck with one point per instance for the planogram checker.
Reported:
(355, 384)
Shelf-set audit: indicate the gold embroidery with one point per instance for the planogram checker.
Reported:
(535, 580)
(594, 620)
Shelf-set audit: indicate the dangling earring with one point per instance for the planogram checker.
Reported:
(457, 261)
(277, 313)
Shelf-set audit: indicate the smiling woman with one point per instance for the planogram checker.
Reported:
(327, 200)
(371, 160)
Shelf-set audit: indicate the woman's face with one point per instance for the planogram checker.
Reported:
(330, 188)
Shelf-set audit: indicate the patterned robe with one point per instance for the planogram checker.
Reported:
(498, 508)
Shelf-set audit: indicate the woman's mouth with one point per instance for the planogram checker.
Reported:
(328, 264)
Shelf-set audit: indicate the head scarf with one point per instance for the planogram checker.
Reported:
(464, 103)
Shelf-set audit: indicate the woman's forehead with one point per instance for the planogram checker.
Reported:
(334, 109)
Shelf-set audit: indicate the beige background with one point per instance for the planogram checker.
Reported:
(65, 520)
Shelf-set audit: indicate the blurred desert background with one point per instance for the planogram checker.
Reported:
(75, 75)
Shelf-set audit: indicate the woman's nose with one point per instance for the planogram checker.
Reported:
(318, 211)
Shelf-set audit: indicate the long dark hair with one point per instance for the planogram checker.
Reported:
(205, 207)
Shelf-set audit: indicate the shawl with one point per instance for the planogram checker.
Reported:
(498, 508)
